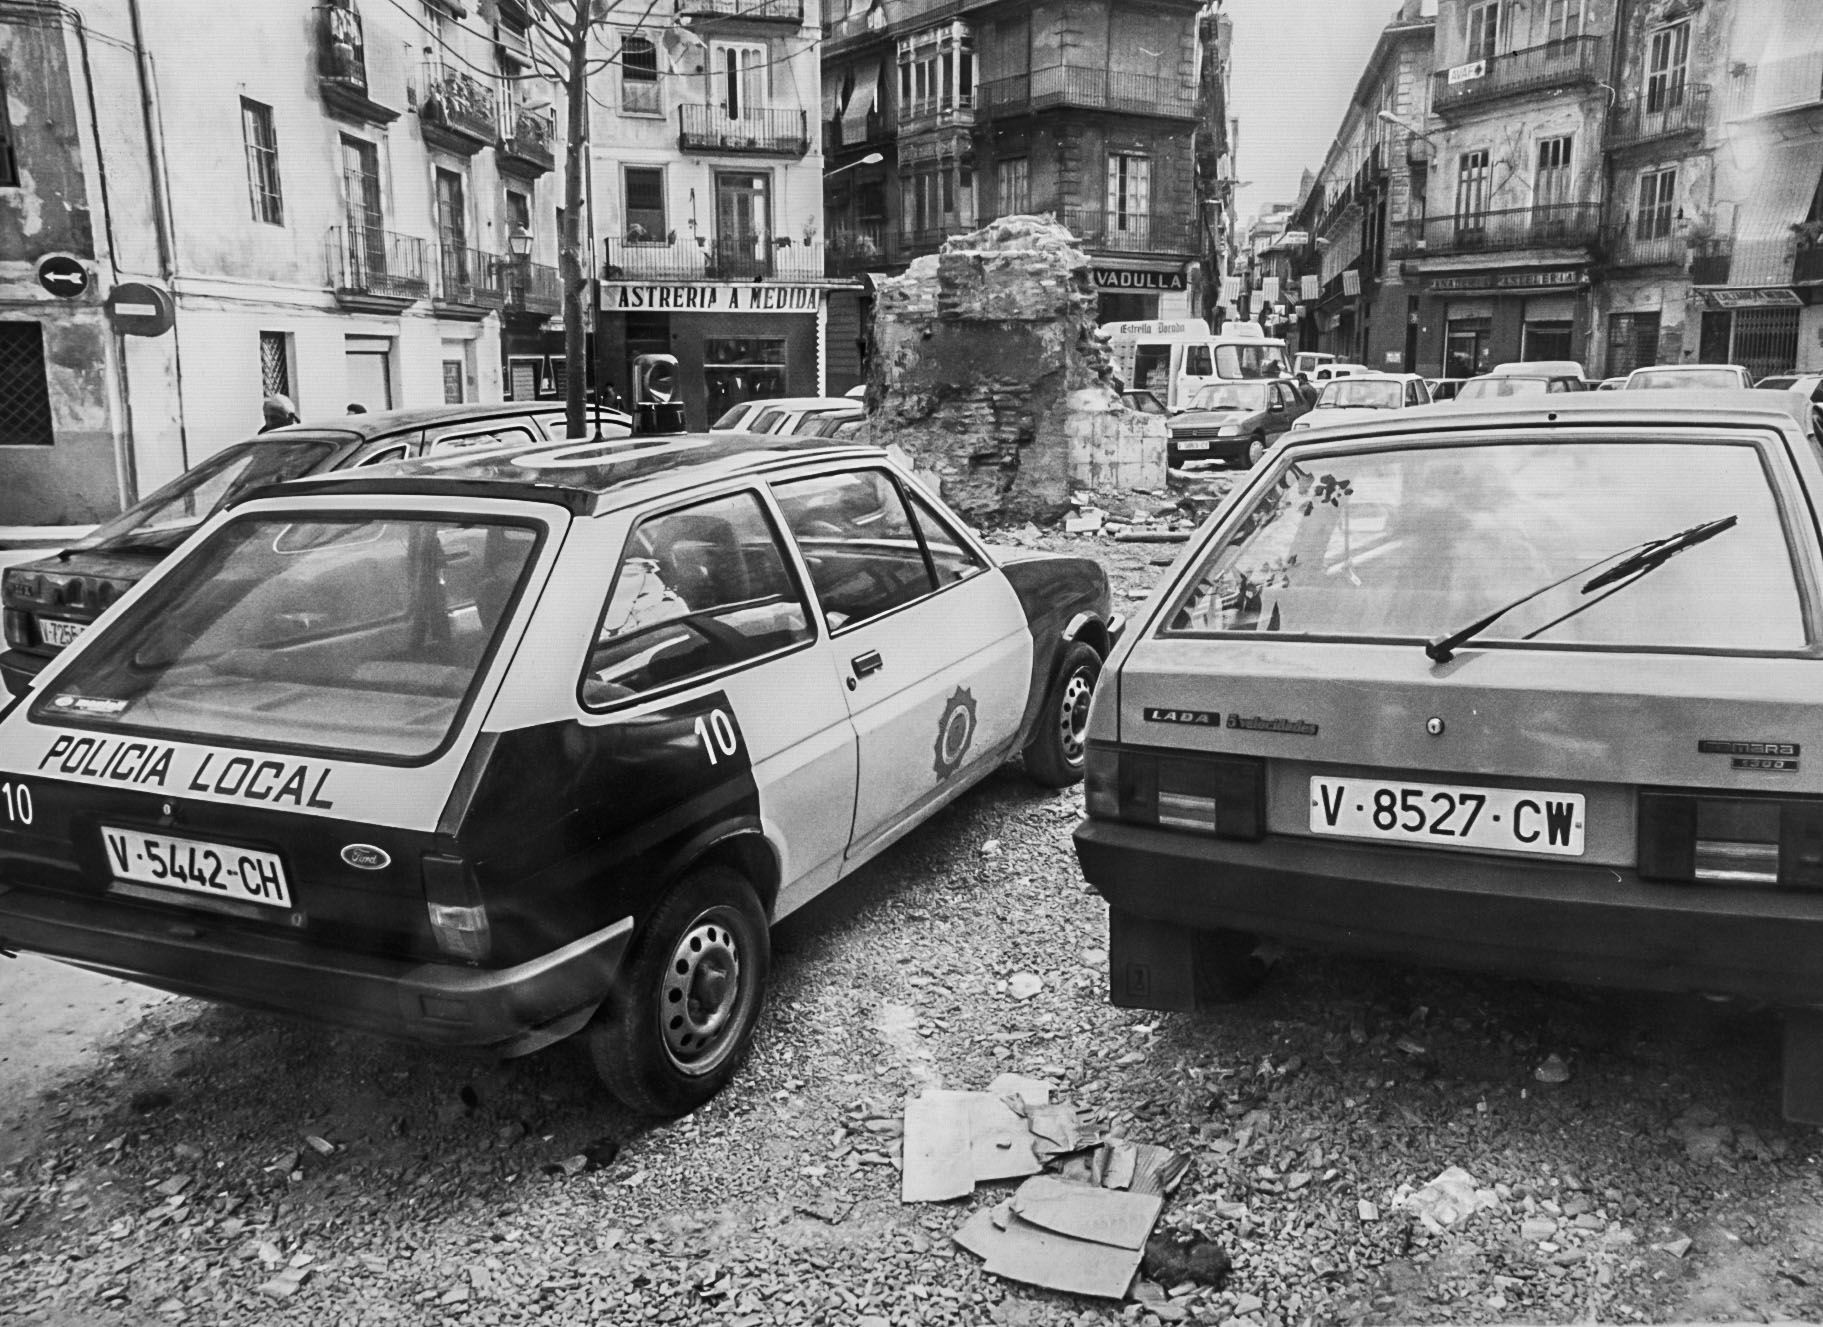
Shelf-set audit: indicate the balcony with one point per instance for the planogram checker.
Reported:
(1807, 263)
(759, 133)
(936, 113)
(685, 260)
(1710, 261)
(753, 11)
(528, 151)
(342, 67)
(1548, 226)
(375, 271)
(533, 290)
(1577, 61)
(470, 282)
(1627, 249)
(1087, 89)
(1775, 86)
(456, 112)
(1131, 232)
(862, 249)
(1632, 123)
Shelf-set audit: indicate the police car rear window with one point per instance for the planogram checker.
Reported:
(349, 633)
(1415, 543)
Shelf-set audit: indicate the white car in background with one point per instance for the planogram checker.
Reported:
(763, 414)
(1326, 372)
(1364, 396)
(1689, 375)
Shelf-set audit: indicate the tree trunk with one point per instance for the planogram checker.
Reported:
(569, 260)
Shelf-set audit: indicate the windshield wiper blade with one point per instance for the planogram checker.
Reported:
(1641, 558)
(1660, 551)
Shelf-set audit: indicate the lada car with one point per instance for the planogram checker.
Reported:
(491, 749)
(50, 601)
(1348, 400)
(1233, 422)
(1527, 688)
(1671, 377)
(1524, 378)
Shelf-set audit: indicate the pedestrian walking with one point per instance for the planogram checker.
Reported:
(278, 411)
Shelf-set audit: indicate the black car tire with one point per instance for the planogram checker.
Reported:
(1055, 755)
(1227, 968)
(689, 998)
(1256, 449)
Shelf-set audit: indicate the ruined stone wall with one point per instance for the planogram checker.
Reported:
(987, 374)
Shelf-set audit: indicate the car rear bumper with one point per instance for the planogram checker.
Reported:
(17, 669)
(1545, 920)
(445, 1004)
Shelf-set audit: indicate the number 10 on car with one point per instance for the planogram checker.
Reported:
(1446, 815)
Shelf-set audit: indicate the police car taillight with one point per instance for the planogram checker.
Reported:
(458, 917)
(18, 628)
(1220, 795)
(1725, 840)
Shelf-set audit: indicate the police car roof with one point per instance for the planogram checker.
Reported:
(582, 475)
(1672, 405)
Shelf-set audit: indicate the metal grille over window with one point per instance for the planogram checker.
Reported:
(639, 76)
(275, 364)
(25, 398)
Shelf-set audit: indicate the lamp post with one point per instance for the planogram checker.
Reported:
(520, 243)
(871, 159)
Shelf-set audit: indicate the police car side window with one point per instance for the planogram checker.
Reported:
(696, 591)
(864, 554)
(497, 437)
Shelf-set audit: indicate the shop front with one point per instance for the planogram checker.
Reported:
(1761, 328)
(1135, 290)
(1470, 321)
(734, 341)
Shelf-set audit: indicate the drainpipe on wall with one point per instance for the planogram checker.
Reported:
(161, 217)
(1616, 65)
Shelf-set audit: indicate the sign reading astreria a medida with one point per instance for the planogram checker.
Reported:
(700, 297)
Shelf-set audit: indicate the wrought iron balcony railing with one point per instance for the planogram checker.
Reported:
(1091, 89)
(1550, 225)
(1710, 261)
(1571, 62)
(863, 249)
(454, 101)
(1684, 110)
(1130, 232)
(341, 51)
(533, 287)
(685, 260)
(367, 261)
(1627, 249)
(757, 131)
(471, 277)
(754, 11)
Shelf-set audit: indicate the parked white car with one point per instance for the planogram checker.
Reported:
(1689, 375)
(1363, 396)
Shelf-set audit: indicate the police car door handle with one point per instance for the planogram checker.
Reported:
(871, 662)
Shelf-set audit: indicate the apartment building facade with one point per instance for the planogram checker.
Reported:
(327, 210)
(706, 173)
(940, 115)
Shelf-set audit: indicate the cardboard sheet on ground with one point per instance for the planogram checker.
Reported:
(1039, 1257)
(956, 1140)
(1102, 1216)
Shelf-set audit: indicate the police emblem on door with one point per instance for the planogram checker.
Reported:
(955, 730)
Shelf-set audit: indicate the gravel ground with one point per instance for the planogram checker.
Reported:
(222, 1166)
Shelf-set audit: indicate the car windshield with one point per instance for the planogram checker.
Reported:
(160, 522)
(1412, 543)
(1230, 396)
(1778, 384)
(1362, 394)
(1248, 361)
(1482, 389)
(1687, 378)
(347, 633)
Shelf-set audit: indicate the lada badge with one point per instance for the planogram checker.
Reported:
(366, 857)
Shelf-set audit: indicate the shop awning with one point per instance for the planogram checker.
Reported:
(832, 92)
(861, 104)
(1783, 188)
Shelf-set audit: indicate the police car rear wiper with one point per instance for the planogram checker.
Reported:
(1635, 562)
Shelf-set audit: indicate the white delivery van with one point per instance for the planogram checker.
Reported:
(1173, 358)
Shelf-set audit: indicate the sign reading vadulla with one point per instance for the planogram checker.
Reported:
(704, 298)
(1119, 278)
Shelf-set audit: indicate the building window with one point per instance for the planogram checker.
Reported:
(1563, 20)
(1632, 342)
(739, 79)
(262, 162)
(1484, 30)
(1129, 191)
(25, 393)
(1015, 186)
(645, 206)
(936, 72)
(743, 224)
(1466, 346)
(936, 198)
(639, 77)
(1552, 186)
(518, 214)
(275, 364)
(1472, 190)
(1656, 190)
(1667, 64)
(9, 163)
(452, 382)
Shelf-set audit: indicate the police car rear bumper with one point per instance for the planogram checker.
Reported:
(444, 1004)
(1550, 920)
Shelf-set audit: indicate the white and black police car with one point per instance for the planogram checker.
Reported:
(488, 750)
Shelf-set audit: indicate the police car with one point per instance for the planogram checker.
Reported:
(492, 749)
(1509, 686)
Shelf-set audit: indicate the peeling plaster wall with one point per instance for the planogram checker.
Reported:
(987, 374)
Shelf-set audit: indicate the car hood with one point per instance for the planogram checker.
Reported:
(1316, 419)
(1203, 419)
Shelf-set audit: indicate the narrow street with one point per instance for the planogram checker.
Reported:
(214, 1165)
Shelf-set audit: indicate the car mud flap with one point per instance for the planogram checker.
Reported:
(1803, 1066)
(1151, 964)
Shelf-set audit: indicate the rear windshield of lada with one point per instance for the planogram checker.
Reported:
(353, 633)
(1416, 543)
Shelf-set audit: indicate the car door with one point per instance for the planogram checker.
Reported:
(1279, 413)
(930, 643)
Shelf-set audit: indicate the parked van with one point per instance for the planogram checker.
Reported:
(1308, 362)
(1173, 358)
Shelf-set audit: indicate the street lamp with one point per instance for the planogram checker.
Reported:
(871, 159)
(520, 242)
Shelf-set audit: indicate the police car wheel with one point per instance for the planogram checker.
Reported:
(1055, 756)
(692, 996)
